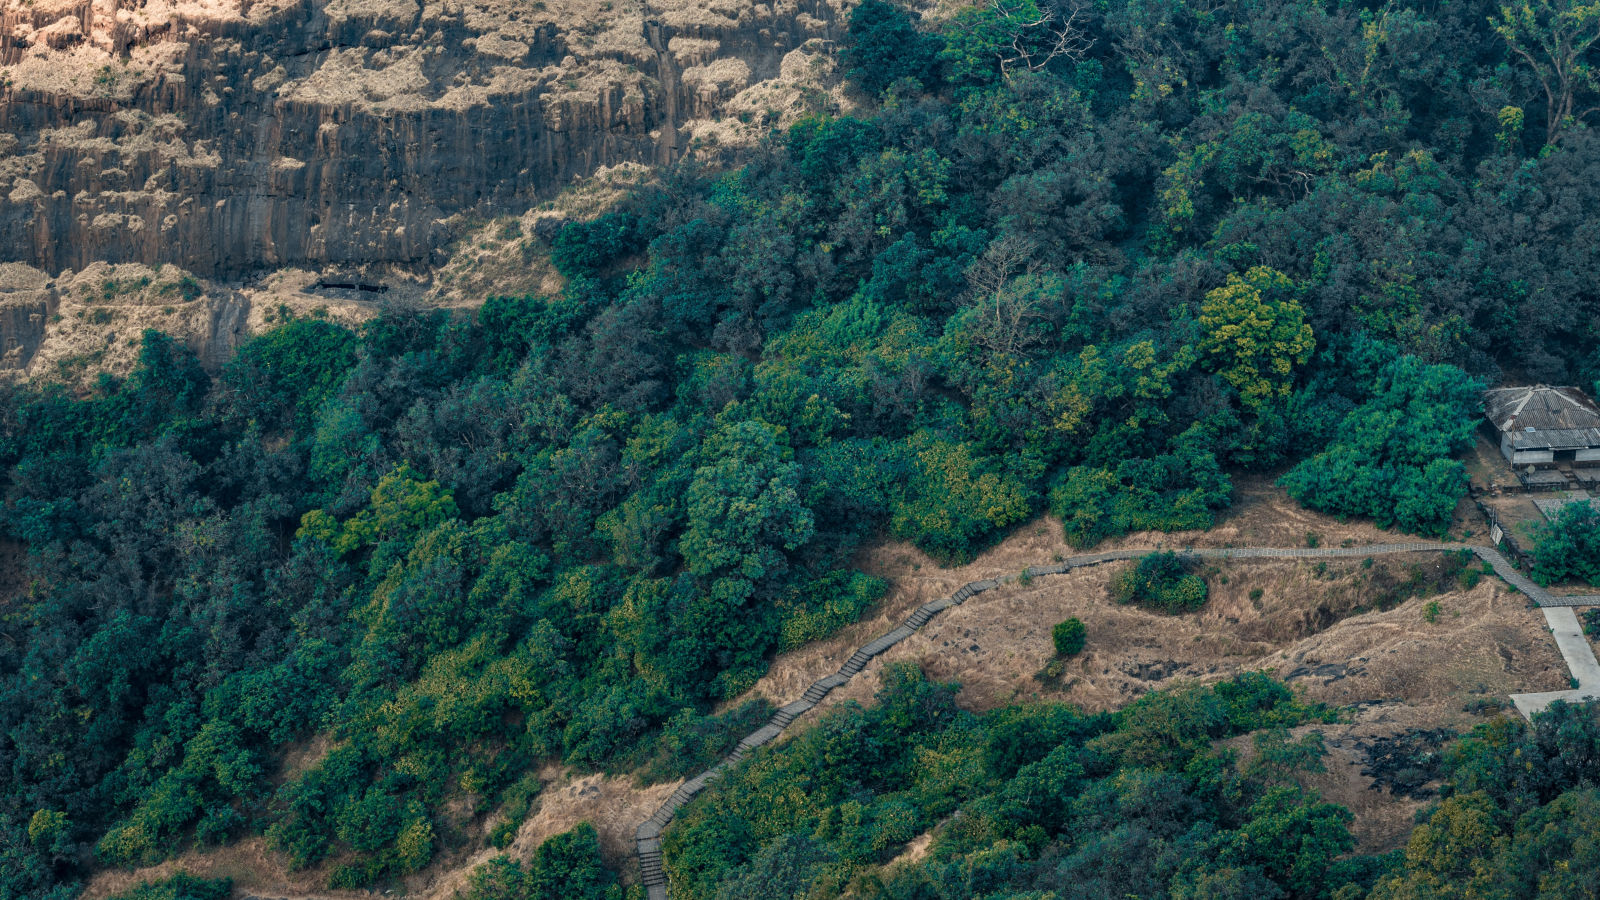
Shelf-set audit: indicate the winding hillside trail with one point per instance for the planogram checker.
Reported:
(1558, 614)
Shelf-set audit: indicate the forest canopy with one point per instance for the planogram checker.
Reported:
(1094, 259)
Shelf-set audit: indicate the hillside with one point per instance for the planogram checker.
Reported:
(408, 517)
(247, 149)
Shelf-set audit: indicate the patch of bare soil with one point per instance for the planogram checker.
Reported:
(254, 868)
(1517, 514)
(1306, 625)
(1487, 468)
(615, 806)
(1261, 516)
(1400, 671)
(1383, 820)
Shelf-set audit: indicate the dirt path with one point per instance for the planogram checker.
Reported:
(1580, 659)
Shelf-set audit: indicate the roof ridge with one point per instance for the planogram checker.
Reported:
(1518, 411)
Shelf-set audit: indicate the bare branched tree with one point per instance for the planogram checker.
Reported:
(1001, 286)
(1044, 32)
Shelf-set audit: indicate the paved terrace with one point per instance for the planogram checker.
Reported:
(1558, 612)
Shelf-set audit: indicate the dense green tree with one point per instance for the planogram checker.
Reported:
(885, 46)
(1254, 334)
(744, 511)
(1568, 546)
(1039, 809)
(1391, 458)
(1554, 37)
(280, 378)
(958, 500)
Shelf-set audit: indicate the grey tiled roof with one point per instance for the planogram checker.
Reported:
(1544, 418)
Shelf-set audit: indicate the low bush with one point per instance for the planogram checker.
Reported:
(1069, 637)
(1160, 582)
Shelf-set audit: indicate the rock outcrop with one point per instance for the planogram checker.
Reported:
(27, 301)
(228, 136)
(72, 327)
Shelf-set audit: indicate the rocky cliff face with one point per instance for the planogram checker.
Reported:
(27, 301)
(226, 136)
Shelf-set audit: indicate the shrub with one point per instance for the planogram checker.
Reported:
(1069, 637)
(565, 867)
(1591, 622)
(1569, 545)
(1161, 582)
(586, 248)
(1173, 492)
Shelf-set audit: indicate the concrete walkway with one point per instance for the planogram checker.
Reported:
(1578, 653)
(1557, 610)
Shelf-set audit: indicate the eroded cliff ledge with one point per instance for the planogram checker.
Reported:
(227, 136)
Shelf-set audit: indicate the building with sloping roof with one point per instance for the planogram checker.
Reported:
(1544, 425)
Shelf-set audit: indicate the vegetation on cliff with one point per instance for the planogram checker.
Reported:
(1092, 269)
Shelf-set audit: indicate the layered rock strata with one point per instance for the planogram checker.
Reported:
(225, 136)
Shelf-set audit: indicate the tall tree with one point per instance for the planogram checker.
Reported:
(1554, 38)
